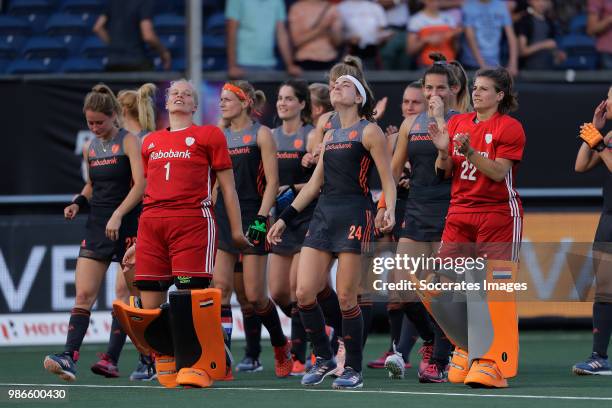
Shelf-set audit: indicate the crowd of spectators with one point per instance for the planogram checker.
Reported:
(400, 34)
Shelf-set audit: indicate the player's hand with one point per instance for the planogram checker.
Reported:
(599, 117)
(128, 263)
(390, 130)
(379, 219)
(240, 241)
(380, 108)
(438, 137)
(436, 107)
(166, 60)
(71, 211)
(294, 70)
(274, 235)
(235, 72)
(463, 142)
(112, 227)
(388, 221)
(257, 230)
(308, 160)
(404, 182)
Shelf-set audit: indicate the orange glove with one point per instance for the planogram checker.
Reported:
(592, 137)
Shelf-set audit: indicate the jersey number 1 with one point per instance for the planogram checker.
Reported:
(467, 171)
(167, 167)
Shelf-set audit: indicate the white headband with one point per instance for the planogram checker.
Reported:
(359, 87)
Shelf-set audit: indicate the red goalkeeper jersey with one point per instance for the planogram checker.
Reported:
(180, 170)
(501, 136)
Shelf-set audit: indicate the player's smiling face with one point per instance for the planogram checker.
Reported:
(288, 105)
(413, 102)
(99, 123)
(437, 85)
(484, 94)
(180, 98)
(231, 106)
(345, 93)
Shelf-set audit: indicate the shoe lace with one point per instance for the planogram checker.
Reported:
(426, 351)
(105, 357)
(319, 367)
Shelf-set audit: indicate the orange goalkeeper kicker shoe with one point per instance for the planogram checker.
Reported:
(166, 371)
(485, 374)
(458, 369)
(193, 377)
(283, 363)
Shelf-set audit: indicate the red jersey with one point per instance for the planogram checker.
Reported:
(501, 136)
(180, 170)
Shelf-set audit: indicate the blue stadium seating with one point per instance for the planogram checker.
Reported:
(76, 64)
(214, 63)
(14, 25)
(169, 24)
(581, 52)
(44, 47)
(10, 45)
(34, 66)
(4, 62)
(175, 43)
(215, 24)
(25, 7)
(66, 24)
(88, 10)
(93, 47)
(577, 24)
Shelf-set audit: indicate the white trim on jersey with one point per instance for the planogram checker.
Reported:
(512, 201)
(210, 244)
(517, 228)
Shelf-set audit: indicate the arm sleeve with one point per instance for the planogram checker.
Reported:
(451, 128)
(511, 142)
(216, 149)
(468, 17)
(146, 10)
(232, 10)
(281, 14)
(505, 13)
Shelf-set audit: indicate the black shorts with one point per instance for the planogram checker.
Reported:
(248, 211)
(97, 246)
(342, 224)
(603, 236)
(400, 210)
(293, 237)
(425, 214)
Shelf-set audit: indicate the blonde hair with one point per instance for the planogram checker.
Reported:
(140, 105)
(102, 99)
(257, 97)
(320, 96)
(194, 90)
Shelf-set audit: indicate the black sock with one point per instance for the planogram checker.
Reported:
(416, 312)
(227, 321)
(77, 327)
(442, 346)
(116, 340)
(286, 309)
(269, 318)
(314, 324)
(396, 316)
(602, 327)
(408, 338)
(252, 332)
(298, 334)
(328, 300)
(352, 332)
(366, 306)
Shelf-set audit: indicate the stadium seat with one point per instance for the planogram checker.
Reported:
(44, 47)
(66, 24)
(93, 47)
(11, 25)
(581, 52)
(178, 64)
(166, 24)
(214, 63)
(4, 62)
(215, 24)
(79, 7)
(25, 7)
(577, 24)
(76, 64)
(33, 66)
(213, 44)
(10, 45)
(175, 43)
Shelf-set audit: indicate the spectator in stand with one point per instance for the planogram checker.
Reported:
(393, 53)
(126, 27)
(365, 29)
(484, 22)
(599, 25)
(253, 28)
(431, 30)
(536, 37)
(316, 32)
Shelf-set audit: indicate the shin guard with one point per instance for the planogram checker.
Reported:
(199, 348)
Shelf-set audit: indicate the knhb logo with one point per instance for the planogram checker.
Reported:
(171, 154)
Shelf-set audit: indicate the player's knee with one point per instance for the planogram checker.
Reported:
(225, 287)
(85, 299)
(304, 296)
(347, 299)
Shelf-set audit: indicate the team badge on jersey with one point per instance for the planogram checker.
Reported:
(246, 139)
(92, 153)
(353, 134)
(298, 143)
(115, 148)
(189, 140)
(488, 138)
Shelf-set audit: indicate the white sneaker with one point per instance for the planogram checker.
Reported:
(340, 358)
(395, 365)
